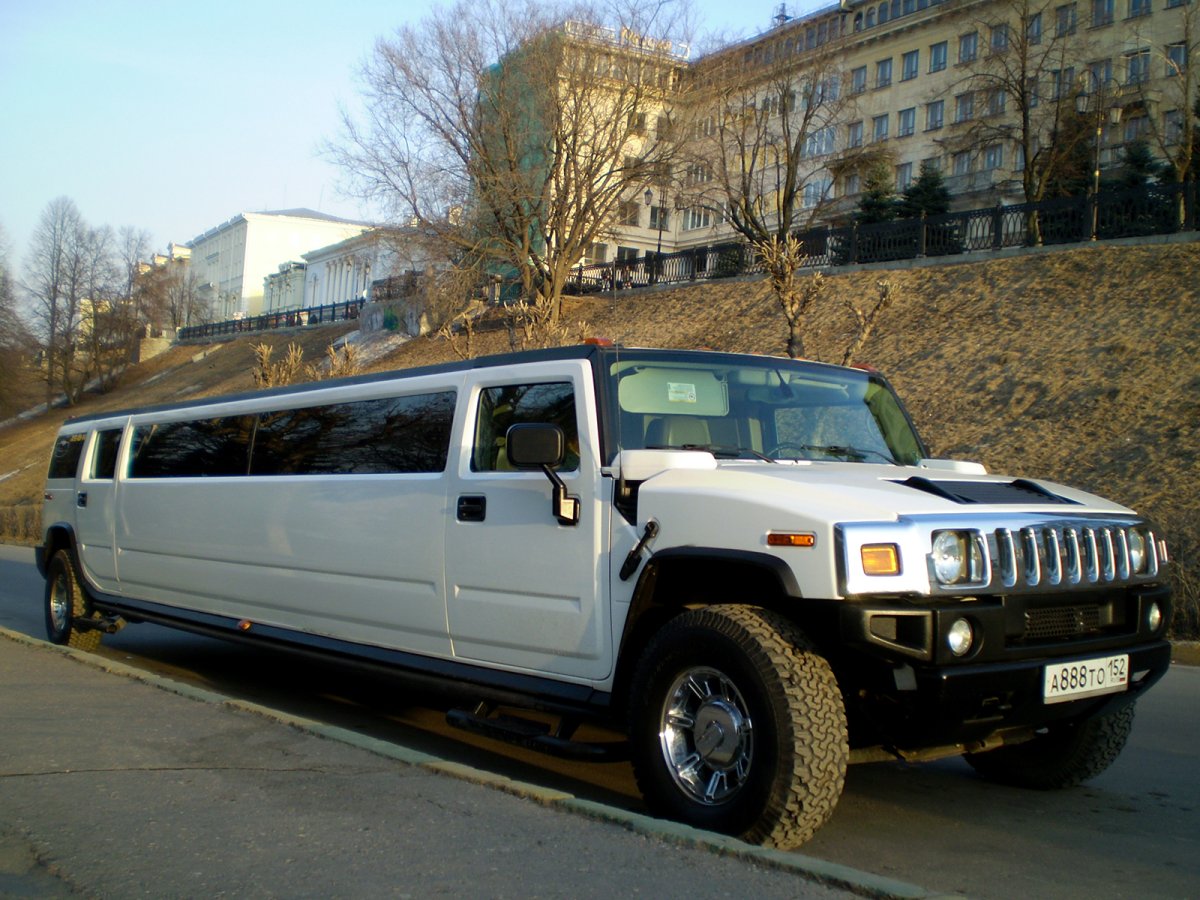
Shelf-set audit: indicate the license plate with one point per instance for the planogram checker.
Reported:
(1087, 678)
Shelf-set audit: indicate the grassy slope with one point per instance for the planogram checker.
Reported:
(1081, 366)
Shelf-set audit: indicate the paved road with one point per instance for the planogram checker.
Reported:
(1133, 832)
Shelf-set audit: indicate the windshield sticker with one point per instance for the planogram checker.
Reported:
(678, 392)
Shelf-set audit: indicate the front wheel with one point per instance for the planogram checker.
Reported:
(737, 725)
(66, 604)
(1061, 756)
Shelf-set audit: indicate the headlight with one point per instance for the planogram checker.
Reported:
(1137, 552)
(957, 558)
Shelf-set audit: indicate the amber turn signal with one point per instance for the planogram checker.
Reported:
(881, 559)
(787, 539)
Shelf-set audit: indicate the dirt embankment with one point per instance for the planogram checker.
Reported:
(1081, 366)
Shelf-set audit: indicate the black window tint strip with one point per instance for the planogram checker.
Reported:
(367, 437)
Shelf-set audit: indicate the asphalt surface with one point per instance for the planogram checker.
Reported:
(115, 782)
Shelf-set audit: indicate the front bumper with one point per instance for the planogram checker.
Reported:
(905, 689)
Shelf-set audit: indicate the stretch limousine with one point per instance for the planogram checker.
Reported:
(749, 565)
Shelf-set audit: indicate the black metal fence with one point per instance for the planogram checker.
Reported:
(313, 315)
(1156, 209)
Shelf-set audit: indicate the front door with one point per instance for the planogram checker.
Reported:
(524, 591)
(95, 497)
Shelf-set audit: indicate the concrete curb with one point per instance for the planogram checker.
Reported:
(830, 874)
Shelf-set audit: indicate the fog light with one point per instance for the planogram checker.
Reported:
(1154, 617)
(960, 637)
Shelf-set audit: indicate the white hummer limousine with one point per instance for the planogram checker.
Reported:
(746, 564)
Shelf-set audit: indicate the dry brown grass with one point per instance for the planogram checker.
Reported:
(1081, 366)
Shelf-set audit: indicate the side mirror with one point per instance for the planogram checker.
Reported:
(537, 445)
(534, 445)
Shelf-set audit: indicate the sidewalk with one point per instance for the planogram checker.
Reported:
(111, 786)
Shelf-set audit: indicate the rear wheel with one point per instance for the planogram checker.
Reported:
(66, 605)
(1061, 756)
(737, 725)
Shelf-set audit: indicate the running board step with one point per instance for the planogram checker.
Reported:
(536, 736)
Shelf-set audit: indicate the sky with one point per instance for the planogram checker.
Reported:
(174, 119)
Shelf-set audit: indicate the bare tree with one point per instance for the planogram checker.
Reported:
(764, 154)
(1025, 79)
(53, 272)
(514, 130)
(16, 342)
(1173, 135)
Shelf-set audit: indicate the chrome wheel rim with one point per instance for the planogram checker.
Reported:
(707, 737)
(59, 605)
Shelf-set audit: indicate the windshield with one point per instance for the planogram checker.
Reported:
(746, 407)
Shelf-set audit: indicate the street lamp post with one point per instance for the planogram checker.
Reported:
(1106, 103)
(649, 198)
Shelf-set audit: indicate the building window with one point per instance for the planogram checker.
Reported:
(1019, 158)
(1065, 19)
(696, 217)
(996, 100)
(1171, 4)
(968, 46)
(820, 142)
(999, 38)
(660, 218)
(637, 123)
(1139, 8)
(1033, 31)
(961, 163)
(1061, 81)
(596, 253)
(1102, 12)
(854, 134)
(815, 192)
(910, 64)
(1099, 75)
(1173, 126)
(628, 212)
(937, 57)
(964, 107)
(879, 127)
(853, 184)
(906, 122)
(934, 114)
(1137, 66)
(858, 80)
(903, 176)
(1177, 58)
(1136, 127)
(993, 156)
(883, 73)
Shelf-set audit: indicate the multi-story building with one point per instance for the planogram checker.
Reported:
(232, 260)
(900, 83)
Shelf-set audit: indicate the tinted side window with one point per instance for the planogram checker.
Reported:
(64, 461)
(104, 457)
(367, 437)
(502, 407)
(203, 448)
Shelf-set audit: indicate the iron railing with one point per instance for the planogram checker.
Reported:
(1156, 209)
(291, 318)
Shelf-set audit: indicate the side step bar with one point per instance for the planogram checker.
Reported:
(536, 736)
(103, 624)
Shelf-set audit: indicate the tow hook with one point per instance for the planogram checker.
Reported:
(103, 624)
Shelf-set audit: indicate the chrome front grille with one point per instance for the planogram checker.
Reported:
(1066, 554)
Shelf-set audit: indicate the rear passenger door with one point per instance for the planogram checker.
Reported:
(522, 590)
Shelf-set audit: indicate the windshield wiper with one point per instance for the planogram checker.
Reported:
(720, 451)
(854, 454)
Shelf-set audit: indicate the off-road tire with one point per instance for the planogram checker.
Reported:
(1062, 756)
(66, 604)
(743, 665)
